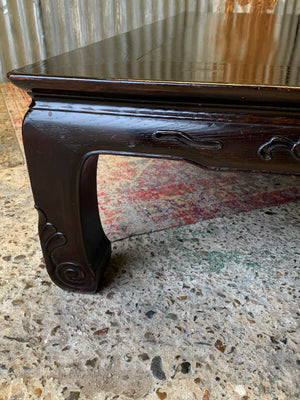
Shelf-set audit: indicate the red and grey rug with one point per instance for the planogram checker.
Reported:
(139, 195)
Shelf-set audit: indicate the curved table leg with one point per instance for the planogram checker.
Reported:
(63, 182)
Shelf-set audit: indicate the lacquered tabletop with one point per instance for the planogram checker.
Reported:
(214, 49)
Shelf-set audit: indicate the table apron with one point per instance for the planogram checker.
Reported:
(240, 142)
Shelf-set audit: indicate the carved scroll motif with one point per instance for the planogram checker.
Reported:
(282, 143)
(181, 137)
(67, 274)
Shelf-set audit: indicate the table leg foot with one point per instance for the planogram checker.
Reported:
(68, 275)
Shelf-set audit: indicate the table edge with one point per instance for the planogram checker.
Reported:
(157, 90)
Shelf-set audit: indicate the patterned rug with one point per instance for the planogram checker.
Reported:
(17, 102)
(139, 195)
(10, 155)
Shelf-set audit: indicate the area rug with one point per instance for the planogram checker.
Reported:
(17, 102)
(138, 195)
(10, 154)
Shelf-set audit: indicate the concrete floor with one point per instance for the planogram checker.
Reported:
(202, 312)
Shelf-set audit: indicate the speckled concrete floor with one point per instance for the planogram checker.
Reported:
(207, 311)
(202, 312)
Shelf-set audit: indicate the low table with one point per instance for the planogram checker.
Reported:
(219, 90)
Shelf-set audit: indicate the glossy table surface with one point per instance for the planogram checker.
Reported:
(195, 56)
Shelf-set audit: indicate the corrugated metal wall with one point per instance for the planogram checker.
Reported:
(31, 30)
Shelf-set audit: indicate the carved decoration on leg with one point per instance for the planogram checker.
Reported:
(63, 180)
(67, 274)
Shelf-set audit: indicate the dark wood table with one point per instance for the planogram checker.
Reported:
(219, 90)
